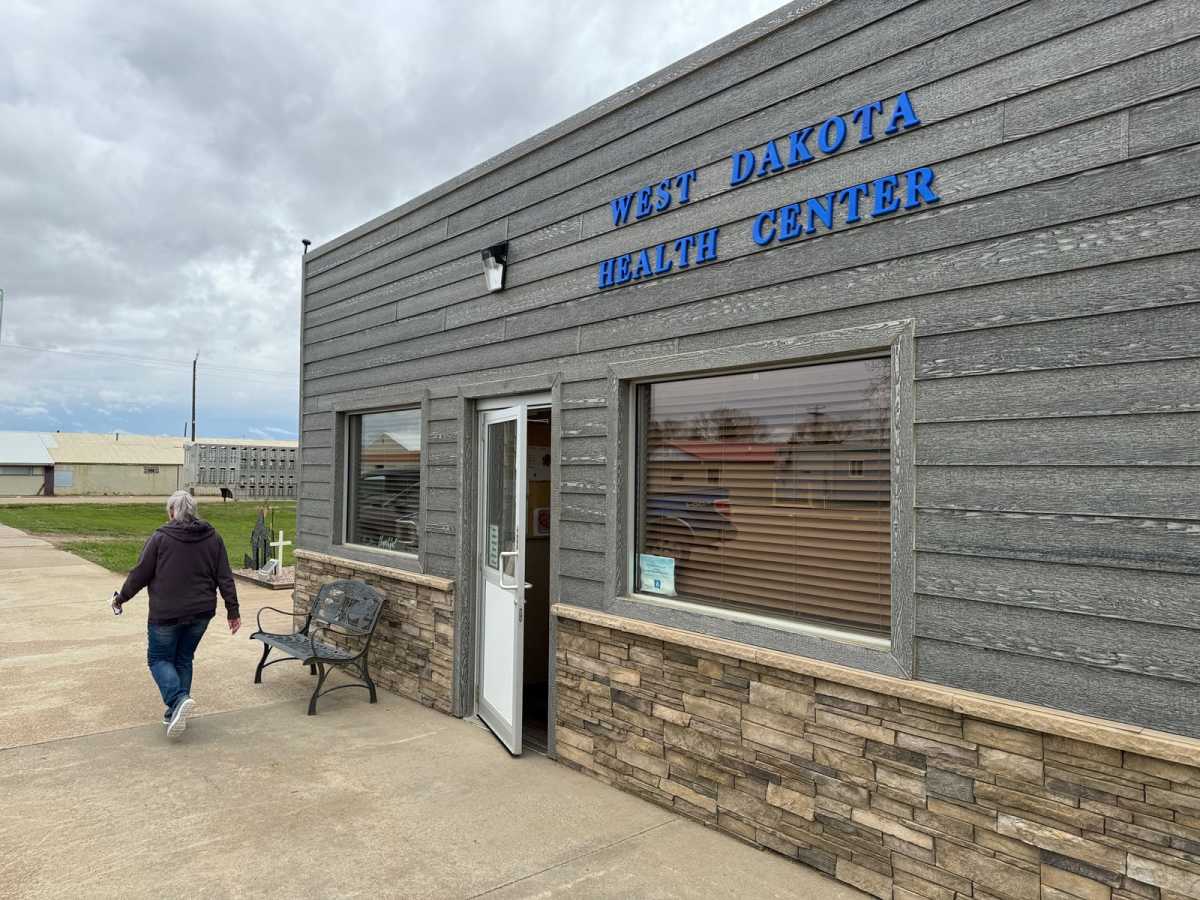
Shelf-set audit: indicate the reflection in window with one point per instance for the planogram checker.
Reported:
(501, 501)
(770, 492)
(385, 480)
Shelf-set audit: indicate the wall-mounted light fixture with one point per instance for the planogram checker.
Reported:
(495, 262)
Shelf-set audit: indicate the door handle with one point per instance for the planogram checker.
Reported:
(515, 585)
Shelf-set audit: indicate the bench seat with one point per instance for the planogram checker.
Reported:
(298, 647)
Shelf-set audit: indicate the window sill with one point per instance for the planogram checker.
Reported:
(824, 632)
(400, 556)
(799, 639)
(387, 568)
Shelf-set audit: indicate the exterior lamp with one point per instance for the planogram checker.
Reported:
(495, 261)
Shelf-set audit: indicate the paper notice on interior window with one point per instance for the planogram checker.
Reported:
(657, 574)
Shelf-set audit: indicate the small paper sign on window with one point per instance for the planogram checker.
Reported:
(657, 574)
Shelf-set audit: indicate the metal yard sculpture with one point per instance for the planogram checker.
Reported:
(260, 543)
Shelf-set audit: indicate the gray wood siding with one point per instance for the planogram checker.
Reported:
(1053, 291)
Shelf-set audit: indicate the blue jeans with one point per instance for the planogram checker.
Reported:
(169, 655)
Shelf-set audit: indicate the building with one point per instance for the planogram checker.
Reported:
(247, 467)
(93, 464)
(115, 464)
(806, 439)
(26, 468)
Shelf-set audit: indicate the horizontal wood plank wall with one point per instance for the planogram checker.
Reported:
(1054, 293)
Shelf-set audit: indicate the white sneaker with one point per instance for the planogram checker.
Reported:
(178, 724)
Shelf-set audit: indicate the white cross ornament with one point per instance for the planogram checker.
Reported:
(280, 544)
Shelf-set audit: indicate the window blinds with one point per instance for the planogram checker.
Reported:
(385, 480)
(771, 490)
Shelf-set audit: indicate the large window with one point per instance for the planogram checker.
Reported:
(384, 483)
(769, 492)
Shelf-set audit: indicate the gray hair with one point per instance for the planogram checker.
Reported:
(181, 506)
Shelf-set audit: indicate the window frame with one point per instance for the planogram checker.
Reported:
(893, 340)
(30, 471)
(345, 413)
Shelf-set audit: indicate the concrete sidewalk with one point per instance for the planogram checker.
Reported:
(261, 800)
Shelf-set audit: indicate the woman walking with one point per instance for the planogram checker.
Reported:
(183, 564)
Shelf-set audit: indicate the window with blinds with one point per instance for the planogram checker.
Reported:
(384, 481)
(770, 492)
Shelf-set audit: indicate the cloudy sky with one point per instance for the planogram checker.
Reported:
(160, 162)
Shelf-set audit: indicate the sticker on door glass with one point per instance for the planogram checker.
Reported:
(494, 546)
(657, 573)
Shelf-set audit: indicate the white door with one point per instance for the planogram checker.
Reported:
(502, 487)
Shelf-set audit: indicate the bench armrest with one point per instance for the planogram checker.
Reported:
(292, 613)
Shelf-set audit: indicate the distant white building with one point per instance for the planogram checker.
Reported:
(247, 468)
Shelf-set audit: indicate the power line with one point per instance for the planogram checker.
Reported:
(152, 362)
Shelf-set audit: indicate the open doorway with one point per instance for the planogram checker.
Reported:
(536, 681)
(512, 631)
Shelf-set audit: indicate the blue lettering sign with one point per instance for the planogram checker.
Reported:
(682, 252)
(653, 198)
(789, 221)
(885, 200)
(763, 230)
(832, 135)
(798, 151)
(902, 114)
(815, 210)
(742, 164)
(620, 209)
(865, 117)
(875, 198)
(884, 194)
(683, 181)
(771, 163)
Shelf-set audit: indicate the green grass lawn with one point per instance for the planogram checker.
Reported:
(112, 535)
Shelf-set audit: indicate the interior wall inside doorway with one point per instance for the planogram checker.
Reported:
(537, 576)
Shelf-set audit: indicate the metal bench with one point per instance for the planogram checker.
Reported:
(349, 609)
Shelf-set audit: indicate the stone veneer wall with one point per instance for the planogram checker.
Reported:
(902, 799)
(412, 653)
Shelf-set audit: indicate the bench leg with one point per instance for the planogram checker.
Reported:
(261, 663)
(312, 704)
(367, 679)
(312, 668)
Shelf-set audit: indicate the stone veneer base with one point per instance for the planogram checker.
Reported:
(412, 653)
(903, 789)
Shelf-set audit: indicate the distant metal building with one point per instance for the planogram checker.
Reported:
(115, 464)
(248, 468)
(65, 463)
(26, 468)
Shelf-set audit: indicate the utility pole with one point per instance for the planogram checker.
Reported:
(194, 361)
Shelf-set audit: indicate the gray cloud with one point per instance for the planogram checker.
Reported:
(160, 162)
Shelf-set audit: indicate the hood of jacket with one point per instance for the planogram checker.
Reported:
(187, 532)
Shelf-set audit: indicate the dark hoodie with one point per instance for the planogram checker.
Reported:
(183, 564)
